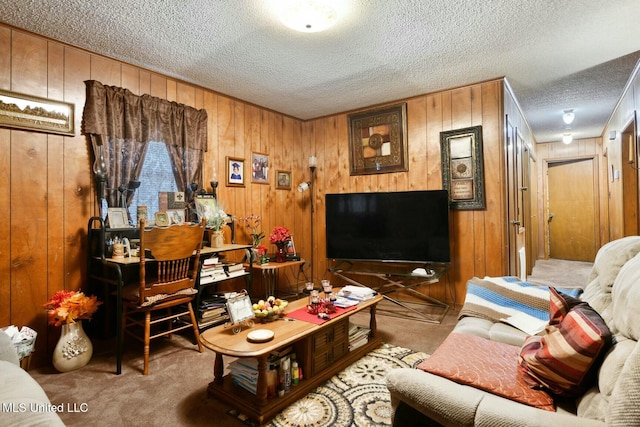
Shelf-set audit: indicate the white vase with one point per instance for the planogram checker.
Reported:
(74, 348)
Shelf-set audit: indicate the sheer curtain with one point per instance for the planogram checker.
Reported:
(120, 124)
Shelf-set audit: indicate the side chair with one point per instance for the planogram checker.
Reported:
(169, 264)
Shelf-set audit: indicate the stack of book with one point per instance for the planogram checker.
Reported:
(358, 336)
(244, 372)
(213, 311)
(212, 272)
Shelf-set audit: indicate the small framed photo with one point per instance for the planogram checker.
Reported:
(283, 180)
(260, 168)
(162, 219)
(176, 216)
(235, 172)
(118, 218)
(290, 247)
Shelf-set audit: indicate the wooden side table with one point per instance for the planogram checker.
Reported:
(271, 274)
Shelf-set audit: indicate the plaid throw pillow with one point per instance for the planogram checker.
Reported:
(564, 359)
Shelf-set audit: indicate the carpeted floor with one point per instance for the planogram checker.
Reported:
(561, 273)
(357, 396)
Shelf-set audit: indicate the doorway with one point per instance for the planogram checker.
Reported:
(572, 215)
(630, 202)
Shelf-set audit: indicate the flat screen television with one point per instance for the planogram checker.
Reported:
(404, 226)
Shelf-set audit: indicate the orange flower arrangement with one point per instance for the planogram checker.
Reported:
(69, 306)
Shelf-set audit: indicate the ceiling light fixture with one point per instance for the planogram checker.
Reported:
(308, 16)
(568, 116)
(567, 138)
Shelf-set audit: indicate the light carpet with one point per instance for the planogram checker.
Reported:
(357, 396)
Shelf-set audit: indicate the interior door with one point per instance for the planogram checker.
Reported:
(572, 224)
(512, 197)
(630, 200)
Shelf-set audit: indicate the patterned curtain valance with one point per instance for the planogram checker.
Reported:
(117, 113)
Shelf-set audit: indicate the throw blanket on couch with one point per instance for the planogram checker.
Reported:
(507, 299)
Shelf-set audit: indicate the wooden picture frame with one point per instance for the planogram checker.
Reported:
(378, 140)
(259, 168)
(162, 219)
(176, 216)
(118, 218)
(20, 111)
(235, 172)
(462, 167)
(283, 180)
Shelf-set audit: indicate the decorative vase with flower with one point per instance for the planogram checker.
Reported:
(279, 237)
(262, 254)
(215, 217)
(67, 309)
(252, 223)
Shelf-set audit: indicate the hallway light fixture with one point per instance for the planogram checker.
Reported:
(567, 138)
(308, 16)
(568, 116)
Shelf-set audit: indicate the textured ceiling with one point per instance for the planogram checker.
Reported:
(556, 54)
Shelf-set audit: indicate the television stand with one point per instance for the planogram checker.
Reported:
(397, 278)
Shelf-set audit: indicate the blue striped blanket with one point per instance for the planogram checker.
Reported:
(500, 298)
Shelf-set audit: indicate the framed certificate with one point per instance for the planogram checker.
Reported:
(239, 308)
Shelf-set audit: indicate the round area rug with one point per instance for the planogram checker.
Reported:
(357, 396)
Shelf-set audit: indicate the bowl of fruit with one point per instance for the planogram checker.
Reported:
(270, 309)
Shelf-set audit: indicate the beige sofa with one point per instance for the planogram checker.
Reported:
(420, 398)
(22, 401)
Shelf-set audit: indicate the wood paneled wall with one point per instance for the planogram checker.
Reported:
(46, 186)
(624, 114)
(478, 241)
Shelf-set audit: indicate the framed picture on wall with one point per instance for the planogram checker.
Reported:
(378, 140)
(462, 167)
(260, 168)
(283, 180)
(235, 172)
(29, 112)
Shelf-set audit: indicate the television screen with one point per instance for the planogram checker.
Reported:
(406, 226)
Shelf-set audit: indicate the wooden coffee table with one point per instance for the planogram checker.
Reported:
(321, 351)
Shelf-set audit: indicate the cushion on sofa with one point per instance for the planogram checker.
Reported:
(562, 360)
(487, 365)
(609, 260)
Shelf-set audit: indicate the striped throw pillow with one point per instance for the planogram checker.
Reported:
(564, 359)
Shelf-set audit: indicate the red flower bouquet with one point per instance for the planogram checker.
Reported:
(279, 235)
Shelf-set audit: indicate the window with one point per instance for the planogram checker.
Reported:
(156, 176)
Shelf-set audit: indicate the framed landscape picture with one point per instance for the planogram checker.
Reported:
(37, 114)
